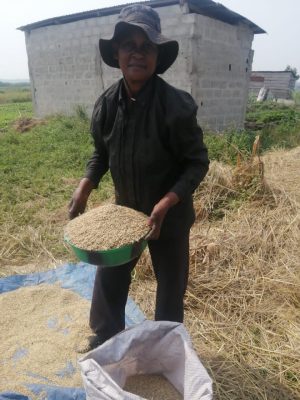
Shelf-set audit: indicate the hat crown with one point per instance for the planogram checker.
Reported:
(141, 14)
(147, 19)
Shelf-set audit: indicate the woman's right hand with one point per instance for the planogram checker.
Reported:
(80, 197)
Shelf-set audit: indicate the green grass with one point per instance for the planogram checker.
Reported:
(40, 169)
(9, 112)
(15, 94)
(296, 97)
(277, 125)
(38, 163)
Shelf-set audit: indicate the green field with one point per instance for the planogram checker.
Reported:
(10, 112)
(277, 125)
(14, 93)
(40, 168)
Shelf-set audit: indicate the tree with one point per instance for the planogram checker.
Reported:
(293, 71)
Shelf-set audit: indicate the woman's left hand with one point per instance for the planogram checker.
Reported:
(159, 212)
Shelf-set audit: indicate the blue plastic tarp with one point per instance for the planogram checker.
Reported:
(80, 279)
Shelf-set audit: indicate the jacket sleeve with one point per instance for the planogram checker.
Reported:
(97, 165)
(186, 143)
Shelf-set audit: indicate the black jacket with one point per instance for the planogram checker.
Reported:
(152, 146)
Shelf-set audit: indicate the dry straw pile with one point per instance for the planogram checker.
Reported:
(243, 299)
(24, 124)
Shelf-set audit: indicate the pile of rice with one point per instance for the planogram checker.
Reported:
(107, 227)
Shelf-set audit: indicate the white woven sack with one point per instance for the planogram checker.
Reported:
(151, 347)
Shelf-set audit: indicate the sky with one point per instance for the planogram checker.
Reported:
(273, 51)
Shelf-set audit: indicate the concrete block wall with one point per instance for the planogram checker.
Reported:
(214, 65)
(178, 26)
(65, 66)
(222, 62)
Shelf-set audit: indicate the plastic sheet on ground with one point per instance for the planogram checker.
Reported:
(80, 279)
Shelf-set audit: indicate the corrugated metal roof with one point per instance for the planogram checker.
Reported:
(205, 7)
(222, 13)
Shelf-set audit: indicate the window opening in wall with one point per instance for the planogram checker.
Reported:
(229, 67)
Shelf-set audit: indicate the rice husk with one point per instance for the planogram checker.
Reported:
(107, 227)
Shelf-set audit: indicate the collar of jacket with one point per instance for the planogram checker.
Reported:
(144, 95)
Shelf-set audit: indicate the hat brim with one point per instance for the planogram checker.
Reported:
(168, 49)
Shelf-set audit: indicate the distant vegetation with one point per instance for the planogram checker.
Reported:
(18, 92)
(278, 126)
(293, 71)
(14, 84)
(296, 96)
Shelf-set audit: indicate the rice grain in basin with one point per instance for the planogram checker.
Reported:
(107, 227)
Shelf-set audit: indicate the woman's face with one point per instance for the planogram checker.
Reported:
(137, 56)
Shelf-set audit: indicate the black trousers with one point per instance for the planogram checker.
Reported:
(170, 260)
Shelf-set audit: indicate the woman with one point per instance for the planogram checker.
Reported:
(145, 131)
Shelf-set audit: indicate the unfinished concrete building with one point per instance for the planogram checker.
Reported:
(280, 84)
(214, 62)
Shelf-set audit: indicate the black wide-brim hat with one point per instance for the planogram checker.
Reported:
(147, 19)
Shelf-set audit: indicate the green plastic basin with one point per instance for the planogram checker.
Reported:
(109, 258)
